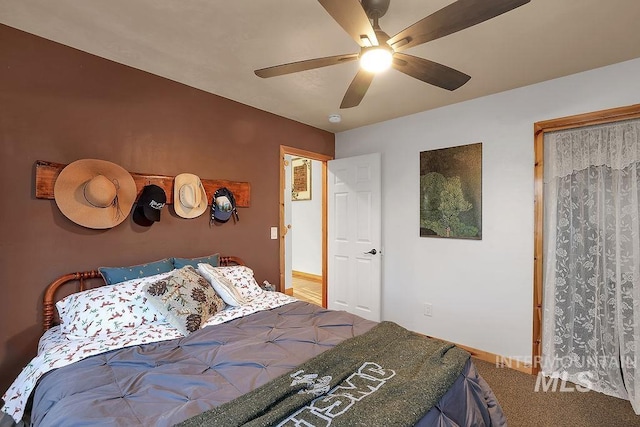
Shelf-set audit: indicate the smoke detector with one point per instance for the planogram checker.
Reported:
(335, 118)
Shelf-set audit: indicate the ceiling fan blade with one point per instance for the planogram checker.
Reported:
(357, 89)
(450, 19)
(429, 71)
(309, 64)
(352, 17)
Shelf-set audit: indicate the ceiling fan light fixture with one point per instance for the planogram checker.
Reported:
(378, 51)
(376, 59)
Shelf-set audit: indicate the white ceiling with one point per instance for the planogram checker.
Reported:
(215, 45)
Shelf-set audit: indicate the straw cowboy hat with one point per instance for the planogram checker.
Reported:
(189, 196)
(95, 193)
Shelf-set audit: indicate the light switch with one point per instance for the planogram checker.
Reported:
(274, 233)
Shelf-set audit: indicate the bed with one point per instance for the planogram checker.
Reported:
(272, 360)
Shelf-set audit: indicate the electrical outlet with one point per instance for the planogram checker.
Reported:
(428, 310)
(274, 233)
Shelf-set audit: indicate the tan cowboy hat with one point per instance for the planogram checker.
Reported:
(189, 196)
(95, 193)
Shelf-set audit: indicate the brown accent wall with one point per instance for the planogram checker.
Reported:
(61, 104)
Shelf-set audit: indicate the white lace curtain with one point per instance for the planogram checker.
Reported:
(591, 297)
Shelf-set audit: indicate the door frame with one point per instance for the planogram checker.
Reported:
(323, 158)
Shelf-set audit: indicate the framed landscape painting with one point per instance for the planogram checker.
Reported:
(451, 192)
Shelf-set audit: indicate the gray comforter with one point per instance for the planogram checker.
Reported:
(164, 383)
(387, 376)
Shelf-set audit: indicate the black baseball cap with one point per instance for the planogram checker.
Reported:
(149, 205)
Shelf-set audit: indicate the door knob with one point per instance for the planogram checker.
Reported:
(372, 252)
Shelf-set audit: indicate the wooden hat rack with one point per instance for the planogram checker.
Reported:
(47, 172)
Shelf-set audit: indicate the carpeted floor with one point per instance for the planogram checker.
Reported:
(525, 407)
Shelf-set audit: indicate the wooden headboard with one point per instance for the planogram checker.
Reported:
(81, 278)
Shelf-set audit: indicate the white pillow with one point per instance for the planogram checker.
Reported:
(242, 279)
(107, 309)
(223, 286)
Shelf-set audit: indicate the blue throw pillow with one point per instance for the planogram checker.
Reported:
(214, 260)
(113, 275)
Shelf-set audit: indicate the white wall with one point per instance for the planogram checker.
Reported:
(481, 291)
(306, 217)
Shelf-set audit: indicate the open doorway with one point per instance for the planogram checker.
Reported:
(303, 224)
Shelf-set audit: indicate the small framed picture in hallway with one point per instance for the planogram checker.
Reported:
(300, 179)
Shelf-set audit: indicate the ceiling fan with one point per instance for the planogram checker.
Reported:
(360, 20)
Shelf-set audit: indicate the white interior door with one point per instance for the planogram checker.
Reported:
(354, 235)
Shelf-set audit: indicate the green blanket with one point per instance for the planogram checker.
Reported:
(388, 376)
